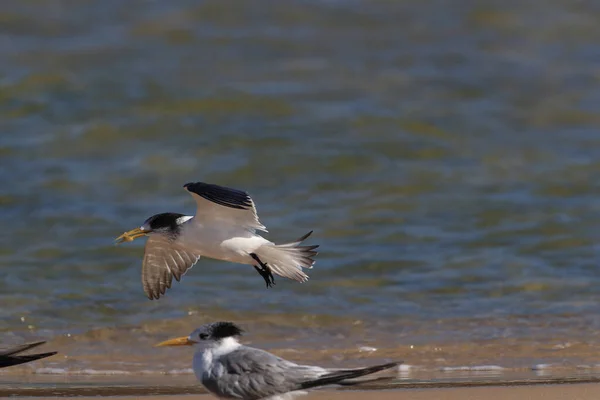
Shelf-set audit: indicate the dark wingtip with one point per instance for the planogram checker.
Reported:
(221, 195)
(342, 375)
(304, 237)
(11, 360)
(34, 344)
(44, 355)
(152, 295)
(21, 348)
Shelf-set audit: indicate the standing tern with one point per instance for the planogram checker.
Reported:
(10, 356)
(231, 370)
(224, 228)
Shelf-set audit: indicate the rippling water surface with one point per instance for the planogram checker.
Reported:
(446, 156)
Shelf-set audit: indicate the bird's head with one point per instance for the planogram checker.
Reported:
(166, 223)
(214, 332)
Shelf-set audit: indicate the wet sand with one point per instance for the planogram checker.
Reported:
(584, 391)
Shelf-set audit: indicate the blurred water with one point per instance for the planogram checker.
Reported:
(446, 155)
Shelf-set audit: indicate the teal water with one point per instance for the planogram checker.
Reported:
(446, 156)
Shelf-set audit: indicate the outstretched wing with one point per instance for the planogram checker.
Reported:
(225, 205)
(163, 261)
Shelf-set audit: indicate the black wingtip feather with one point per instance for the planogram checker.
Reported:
(342, 375)
(10, 360)
(21, 348)
(303, 238)
(221, 195)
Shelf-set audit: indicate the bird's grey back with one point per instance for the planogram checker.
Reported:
(251, 374)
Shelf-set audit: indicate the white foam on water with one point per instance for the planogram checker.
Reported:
(87, 371)
(404, 370)
(369, 349)
(147, 372)
(473, 368)
(585, 366)
(542, 367)
(50, 371)
(405, 367)
(103, 372)
(183, 371)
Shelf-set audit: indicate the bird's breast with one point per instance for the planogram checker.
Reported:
(202, 363)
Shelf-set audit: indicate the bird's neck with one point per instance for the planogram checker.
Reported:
(225, 346)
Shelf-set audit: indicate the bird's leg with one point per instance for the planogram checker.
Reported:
(264, 274)
(264, 270)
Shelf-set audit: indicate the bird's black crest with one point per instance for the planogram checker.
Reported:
(163, 221)
(222, 330)
(221, 195)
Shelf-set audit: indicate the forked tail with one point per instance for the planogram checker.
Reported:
(288, 259)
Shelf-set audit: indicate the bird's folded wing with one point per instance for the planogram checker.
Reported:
(224, 205)
(163, 261)
(249, 373)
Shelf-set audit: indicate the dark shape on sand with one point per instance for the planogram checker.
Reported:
(10, 356)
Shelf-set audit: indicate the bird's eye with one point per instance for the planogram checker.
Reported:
(203, 336)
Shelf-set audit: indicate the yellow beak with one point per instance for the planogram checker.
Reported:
(180, 341)
(130, 235)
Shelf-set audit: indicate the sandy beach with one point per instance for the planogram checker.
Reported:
(586, 391)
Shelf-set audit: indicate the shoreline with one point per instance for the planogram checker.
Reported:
(123, 391)
(580, 391)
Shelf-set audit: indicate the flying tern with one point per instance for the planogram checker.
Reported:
(231, 370)
(224, 228)
(10, 356)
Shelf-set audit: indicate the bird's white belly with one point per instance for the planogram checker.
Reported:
(222, 243)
